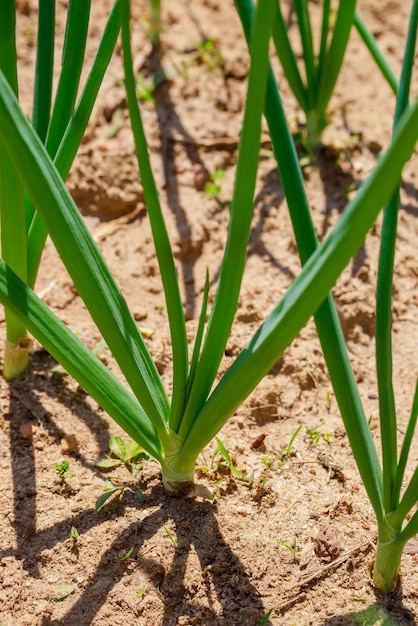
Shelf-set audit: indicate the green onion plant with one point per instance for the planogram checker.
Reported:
(383, 482)
(174, 430)
(313, 87)
(59, 126)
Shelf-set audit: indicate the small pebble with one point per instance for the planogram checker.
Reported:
(69, 444)
(26, 430)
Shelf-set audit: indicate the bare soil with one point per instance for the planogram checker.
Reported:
(298, 539)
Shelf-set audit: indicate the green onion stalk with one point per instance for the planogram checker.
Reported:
(383, 484)
(313, 88)
(313, 91)
(392, 535)
(154, 31)
(175, 430)
(60, 127)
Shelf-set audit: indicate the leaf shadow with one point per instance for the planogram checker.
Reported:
(25, 408)
(386, 611)
(228, 593)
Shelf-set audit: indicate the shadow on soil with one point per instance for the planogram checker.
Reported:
(195, 527)
(26, 409)
(386, 611)
(226, 586)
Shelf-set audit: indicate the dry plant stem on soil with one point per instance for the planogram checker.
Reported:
(61, 129)
(383, 486)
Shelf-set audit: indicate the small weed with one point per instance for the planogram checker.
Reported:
(212, 187)
(141, 592)
(173, 540)
(145, 87)
(74, 533)
(110, 489)
(222, 451)
(291, 548)
(63, 470)
(266, 618)
(208, 53)
(124, 556)
(268, 460)
(328, 399)
(63, 591)
(289, 450)
(314, 436)
(130, 455)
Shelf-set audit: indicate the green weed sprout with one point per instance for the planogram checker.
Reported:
(63, 469)
(383, 483)
(175, 430)
(130, 455)
(60, 128)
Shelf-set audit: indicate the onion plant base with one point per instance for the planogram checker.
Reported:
(186, 489)
(179, 489)
(315, 126)
(16, 357)
(387, 564)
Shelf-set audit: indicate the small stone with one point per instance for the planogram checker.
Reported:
(26, 430)
(69, 443)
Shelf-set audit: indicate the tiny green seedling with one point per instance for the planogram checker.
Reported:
(63, 469)
(116, 124)
(268, 460)
(130, 455)
(173, 539)
(290, 547)
(110, 489)
(289, 450)
(328, 399)
(222, 451)
(212, 187)
(125, 556)
(314, 436)
(208, 53)
(63, 591)
(141, 592)
(74, 533)
(145, 88)
(266, 617)
(207, 569)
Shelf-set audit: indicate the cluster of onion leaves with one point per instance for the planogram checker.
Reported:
(383, 483)
(313, 74)
(59, 122)
(174, 430)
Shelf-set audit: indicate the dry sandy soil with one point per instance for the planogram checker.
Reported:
(200, 562)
